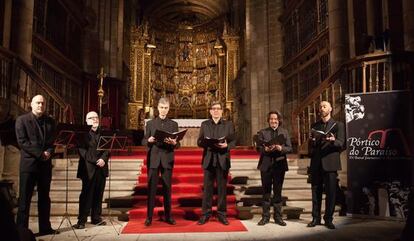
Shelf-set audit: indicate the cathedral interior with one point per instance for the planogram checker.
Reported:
(119, 57)
(253, 56)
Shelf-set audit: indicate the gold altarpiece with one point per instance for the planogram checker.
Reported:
(191, 67)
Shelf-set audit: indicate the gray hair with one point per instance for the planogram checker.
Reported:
(164, 101)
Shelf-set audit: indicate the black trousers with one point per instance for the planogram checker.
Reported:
(272, 179)
(90, 198)
(166, 175)
(212, 174)
(321, 180)
(28, 180)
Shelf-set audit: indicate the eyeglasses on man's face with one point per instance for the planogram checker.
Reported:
(216, 108)
(93, 118)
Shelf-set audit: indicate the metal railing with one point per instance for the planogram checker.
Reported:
(374, 72)
(19, 83)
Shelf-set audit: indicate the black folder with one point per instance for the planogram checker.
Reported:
(212, 142)
(318, 134)
(161, 135)
(278, 140)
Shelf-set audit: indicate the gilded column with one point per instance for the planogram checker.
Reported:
(138, 66)
(232, 66)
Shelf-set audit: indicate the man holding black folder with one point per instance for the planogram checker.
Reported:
(92, 170)
(325, 145)
(160, 159)
(273, 144)
(216, 138)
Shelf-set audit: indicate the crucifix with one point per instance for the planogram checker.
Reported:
(101, 92)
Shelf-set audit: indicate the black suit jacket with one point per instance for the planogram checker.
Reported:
(33, 140)
(225, 129)
(325, 153)
(266, 158)
(160, 153)
(88, 155)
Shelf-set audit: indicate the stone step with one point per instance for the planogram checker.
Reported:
(115, 163)
(119, 173)
(77, 185)
(288, 181)
(73, 196)
(58, 209)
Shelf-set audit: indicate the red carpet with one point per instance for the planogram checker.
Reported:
(183, 226)
(187, 190)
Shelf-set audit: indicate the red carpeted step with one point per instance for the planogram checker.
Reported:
(180, 169)
(142, 189)
(189, 213)
(179, 200)
(178, 177)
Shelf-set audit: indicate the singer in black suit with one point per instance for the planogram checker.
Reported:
(325, 162)
(35, 133)
(93, 171)
(273, 165)
(160, 159)
(215, 162)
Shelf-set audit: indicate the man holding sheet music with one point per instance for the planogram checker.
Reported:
(216, 138)
(273, 144)
(160, 158)
(92, 170)
(325, 145)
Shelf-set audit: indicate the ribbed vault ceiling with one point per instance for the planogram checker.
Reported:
(184, 12)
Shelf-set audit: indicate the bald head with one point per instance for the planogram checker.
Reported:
(92, 119)
(325, 110)
(38, 105)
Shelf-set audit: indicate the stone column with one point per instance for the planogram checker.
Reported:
(338, 33)
(22, 32)
(371, 7)
(7, 23)
(408, 15)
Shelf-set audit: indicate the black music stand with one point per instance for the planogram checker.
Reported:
(111, 141)
(66, 140)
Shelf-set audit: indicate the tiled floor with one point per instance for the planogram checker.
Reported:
(349, 229)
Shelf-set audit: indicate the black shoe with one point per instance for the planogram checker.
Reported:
(148, 222)
(222, 219)
(263, 221)
(47, 232)
(279, 221)
(329, 225)
(204, 219)
(314, 223)
(99, 222)
(170, 221)
(79, 226)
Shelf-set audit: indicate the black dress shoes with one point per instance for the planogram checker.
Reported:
(314, 223)
(47, 232)
(222, 219)
(204, 219)
(280, 221)
(148, 222)
(79, 226)
(170, 221)
(263, 221)
(329, 225)
(99, 222)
